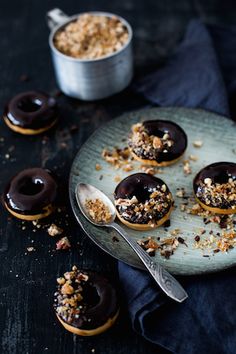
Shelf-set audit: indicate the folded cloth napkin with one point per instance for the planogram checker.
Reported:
(201, 73)
(196, 76)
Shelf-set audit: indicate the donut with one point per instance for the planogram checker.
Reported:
(157, 142)
(30, 194)
(215, 188)
(31, 113)
(143, 201)
(85, 302)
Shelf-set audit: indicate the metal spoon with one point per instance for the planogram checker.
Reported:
(166, 281)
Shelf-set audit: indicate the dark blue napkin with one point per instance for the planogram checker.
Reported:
(202, 73)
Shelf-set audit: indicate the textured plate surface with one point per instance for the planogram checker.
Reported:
(218, 136)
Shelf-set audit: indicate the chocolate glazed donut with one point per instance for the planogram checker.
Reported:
(215, 187)
(176, 143)
(30, 194)
(93, 304)
(142, 201)
(31, 113)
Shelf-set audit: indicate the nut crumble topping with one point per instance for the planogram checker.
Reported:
(150, 211)
(91, 36)
(69, 295)
(148, 146)
(98, 211)
(218, 195)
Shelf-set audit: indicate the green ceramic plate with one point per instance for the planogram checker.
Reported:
(219, 144)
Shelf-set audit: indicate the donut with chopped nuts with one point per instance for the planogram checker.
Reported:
(143, 201)
(30, 194)
(157, 142)
(31, 113)
(85, 302)
(215, 187)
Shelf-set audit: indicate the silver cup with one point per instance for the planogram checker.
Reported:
(90, 79)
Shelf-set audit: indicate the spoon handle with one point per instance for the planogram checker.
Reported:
(165, 280)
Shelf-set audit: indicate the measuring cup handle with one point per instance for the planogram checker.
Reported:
(56, 17)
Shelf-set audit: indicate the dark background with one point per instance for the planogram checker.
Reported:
(27, 279)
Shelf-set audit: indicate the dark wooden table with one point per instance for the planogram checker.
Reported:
(27, 321)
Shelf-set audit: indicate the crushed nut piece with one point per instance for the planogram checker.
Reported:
(197, 143)
(98, 167)
(63, 244)
(193, 158)
(31, 249)
(148, 146)
(186, 167)
(54, 230)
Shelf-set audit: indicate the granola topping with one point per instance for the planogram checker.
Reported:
(148, 146)
(84, 299)
(98, 211)
(146, 212)
(69, 295)
(91, 36)
(218, 195)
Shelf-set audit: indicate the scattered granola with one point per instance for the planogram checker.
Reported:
(31, 249)
(98, 167)
(98, 211)
(91, 36)
(54, 230)
(117, 179)
(63, 244)
(128, 168)
(193, 158)
(223, 242)
(118, 157)
(197, 143)
(186, 167)
(180, 193)
(166, 247)
(151, 170)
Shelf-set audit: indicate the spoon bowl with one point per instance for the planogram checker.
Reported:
(85, 192)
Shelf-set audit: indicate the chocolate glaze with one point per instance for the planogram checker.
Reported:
(175, 132)
(218, 172)
(137, 184)
(30, 191)
(140, 185)
(31, 110)
(99, 302)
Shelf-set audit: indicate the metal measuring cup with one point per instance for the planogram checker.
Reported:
(90, 79)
